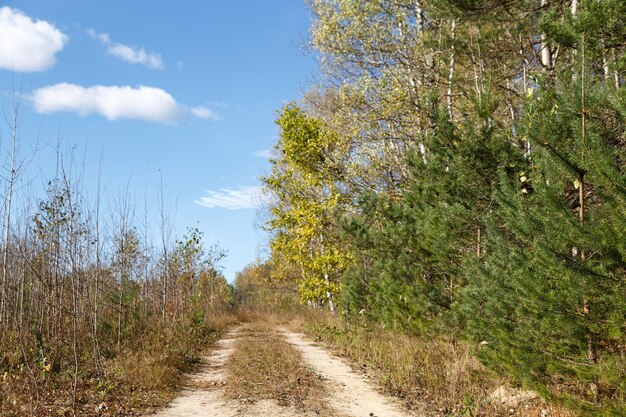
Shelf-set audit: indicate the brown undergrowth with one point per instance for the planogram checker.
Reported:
(435, 376)
(136, 377)
(265, 367)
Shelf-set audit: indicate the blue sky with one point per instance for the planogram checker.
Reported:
(186, 91)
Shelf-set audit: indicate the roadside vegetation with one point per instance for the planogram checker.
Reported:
(437, 377)
(457, 177)
(133, 378)
(433, 376)
(102, 310)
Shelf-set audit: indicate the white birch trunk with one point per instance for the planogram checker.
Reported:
(546, 54)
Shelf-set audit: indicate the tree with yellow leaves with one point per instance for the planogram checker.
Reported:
(304, 199)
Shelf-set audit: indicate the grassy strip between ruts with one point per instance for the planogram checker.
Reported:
(434, 376)
(265, 367)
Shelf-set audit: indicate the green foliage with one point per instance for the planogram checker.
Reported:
(549, 296)
(301, 141)
(196, 267)
(460, 171)
(411, 247)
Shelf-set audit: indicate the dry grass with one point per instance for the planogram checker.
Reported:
(434, 376)
(139, 376)
(271, 317)
(265, 367)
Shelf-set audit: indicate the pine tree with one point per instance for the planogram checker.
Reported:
(412, 246)
(549, 299)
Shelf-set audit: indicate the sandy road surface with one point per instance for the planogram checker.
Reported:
(350, 393)
(199, 398)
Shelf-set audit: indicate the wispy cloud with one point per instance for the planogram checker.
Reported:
(135, 56)
(205, 113)
(27, 45)
(127, 53)
(265, 154)
(232, 199)
(220, 104)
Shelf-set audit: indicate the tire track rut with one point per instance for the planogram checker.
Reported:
(350, 393)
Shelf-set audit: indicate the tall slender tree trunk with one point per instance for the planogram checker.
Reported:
(8, 207)
(120, 309)
(165, 278)
(329, 295)
(546, 53)
(591, 350)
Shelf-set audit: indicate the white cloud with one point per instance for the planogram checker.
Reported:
(128, 53)
(204, 113)
(265, 153)
(221, 104)
(113, 102)
(102, 37)
(27, 45)
(135, 56)
(232, 199)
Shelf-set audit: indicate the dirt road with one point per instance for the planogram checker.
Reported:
(351, 394)
(201, 397)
